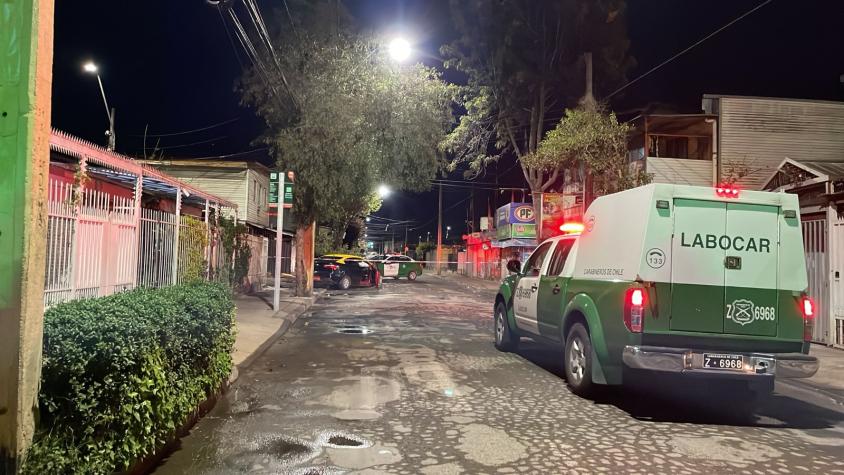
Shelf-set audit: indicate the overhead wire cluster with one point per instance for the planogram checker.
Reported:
(263, 57)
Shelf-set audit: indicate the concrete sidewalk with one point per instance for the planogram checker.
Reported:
(259, 326)
(831, 373)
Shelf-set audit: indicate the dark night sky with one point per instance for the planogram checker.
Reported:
(169, 64)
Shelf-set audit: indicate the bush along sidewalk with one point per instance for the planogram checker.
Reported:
(122, 373)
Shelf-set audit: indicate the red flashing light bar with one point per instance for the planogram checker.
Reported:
(571, 228)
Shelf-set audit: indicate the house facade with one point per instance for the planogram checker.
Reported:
(820, 188)
(755, 134)
(246, 183)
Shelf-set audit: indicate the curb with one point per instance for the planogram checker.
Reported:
(289, 321)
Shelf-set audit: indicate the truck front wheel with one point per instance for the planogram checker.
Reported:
(578, 361)
(505, 339)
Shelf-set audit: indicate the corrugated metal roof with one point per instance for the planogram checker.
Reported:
(835, 170)
(123, 169)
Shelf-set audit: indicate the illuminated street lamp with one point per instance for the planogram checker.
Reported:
(383, 191)
(447, 229)
(91, 68)
(400, 49)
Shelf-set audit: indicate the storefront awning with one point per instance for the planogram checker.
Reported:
(515, 243)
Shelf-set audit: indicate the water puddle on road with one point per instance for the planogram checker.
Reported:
(354, 330)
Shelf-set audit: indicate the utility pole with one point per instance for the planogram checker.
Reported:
(27, 66)
(279, 241)
(590, 104)
(440, 234)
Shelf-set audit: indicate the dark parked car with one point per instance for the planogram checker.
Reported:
(344, 271)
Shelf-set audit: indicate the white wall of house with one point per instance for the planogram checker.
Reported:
(257, 196)
(224, 182)
(757, 133)
(681, 171)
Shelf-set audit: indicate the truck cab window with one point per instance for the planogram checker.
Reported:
(558, 259)
(534, 263)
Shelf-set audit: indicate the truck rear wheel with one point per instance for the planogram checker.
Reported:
(505, 339)
(578, 361)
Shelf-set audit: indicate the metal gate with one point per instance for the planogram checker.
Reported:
(817, 268)
(91, 244)
(835, 317)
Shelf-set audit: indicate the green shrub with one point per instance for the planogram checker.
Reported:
(121, 373)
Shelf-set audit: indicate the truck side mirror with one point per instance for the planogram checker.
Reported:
(514, 266)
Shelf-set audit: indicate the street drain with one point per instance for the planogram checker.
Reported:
(344, 441)
(352, 330)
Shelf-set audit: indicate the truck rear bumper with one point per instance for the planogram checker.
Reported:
(684, 360)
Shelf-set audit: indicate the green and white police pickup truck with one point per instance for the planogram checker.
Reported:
(669, 279)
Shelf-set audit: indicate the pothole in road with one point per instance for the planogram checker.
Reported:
(272, 451)
(339, 440)
(343, 441)
(285, 448)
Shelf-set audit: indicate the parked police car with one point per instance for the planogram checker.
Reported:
(669, 279)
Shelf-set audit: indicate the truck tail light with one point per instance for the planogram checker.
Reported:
(727, 191)
(808, 308)
(634, 309)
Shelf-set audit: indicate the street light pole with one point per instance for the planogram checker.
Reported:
(440, 234)
(92, 68)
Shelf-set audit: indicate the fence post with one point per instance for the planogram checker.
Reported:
(176, 236)
(78, 196)
(207, 243)
(139, 192)
(106, 251)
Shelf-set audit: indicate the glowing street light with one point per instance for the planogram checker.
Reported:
(400, 49)
(383, 191)
(447, 229)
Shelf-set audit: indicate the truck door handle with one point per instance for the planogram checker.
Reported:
(533, 288)
(556, 289)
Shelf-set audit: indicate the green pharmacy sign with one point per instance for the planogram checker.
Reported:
(274, 189)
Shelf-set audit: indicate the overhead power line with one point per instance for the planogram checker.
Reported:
(215, 139)
(230, 155)
(719, 30)
(185, 132)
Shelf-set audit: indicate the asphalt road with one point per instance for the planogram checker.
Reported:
(405, 380)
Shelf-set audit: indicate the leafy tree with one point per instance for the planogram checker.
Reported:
(349, 120)
(523, 60)
(589, 138)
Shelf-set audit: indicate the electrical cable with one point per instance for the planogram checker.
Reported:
(221, 157)
(688, 49)
(231, 40)
(192, 143)
(172, 134)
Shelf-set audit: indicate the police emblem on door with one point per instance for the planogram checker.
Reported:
(741, 311)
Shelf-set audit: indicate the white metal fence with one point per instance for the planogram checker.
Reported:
(91, 244)
(817, 268)
(97, 246)
(158, 234)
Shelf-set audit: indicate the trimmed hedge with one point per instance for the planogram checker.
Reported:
(121, 373)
